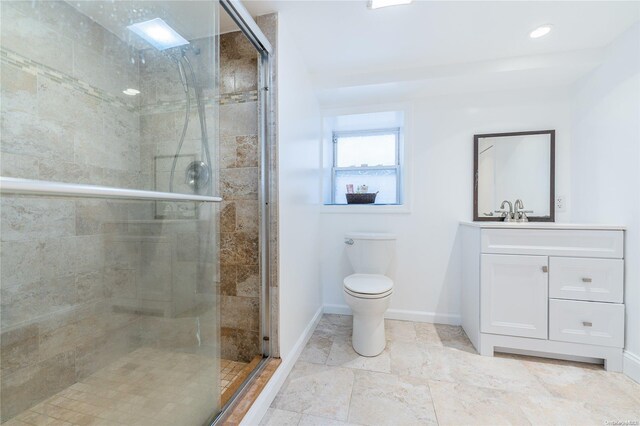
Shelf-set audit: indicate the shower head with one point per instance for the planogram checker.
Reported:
(158, 33)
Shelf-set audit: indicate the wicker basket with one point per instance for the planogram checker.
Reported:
(366, 198)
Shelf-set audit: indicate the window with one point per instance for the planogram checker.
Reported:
(367, 157)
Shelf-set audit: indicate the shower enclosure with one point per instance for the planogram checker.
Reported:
(133, 228)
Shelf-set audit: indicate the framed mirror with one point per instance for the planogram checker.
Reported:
(514, 166)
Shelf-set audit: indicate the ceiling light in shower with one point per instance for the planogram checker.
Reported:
(158, 34)
(377, 4)
(541, 31)
(131, 92)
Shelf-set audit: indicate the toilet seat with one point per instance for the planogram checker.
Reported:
(368, 286)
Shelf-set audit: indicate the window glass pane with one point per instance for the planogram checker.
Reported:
(372, 150)
(381, 181)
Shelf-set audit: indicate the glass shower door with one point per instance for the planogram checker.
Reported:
(109, 255)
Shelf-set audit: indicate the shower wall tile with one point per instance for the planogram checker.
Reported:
(248, 281)
(239, 119)
(240, 312)
(90, 287)
(239, 183)
(19, 348)
(25, 134)
(18, 89)
(228, 217)
(20, 262)
(57, 334)
(61, 171)
(239, 344)
(17, 165)
(247, 151)
(248, 216)
(25, 219)
(25, 33)
(21, 390)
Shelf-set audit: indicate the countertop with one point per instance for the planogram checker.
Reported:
(543, 225)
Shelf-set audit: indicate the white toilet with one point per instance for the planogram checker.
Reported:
(368, 291)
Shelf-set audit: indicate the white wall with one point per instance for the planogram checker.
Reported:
(606, 160)
(299, 199)
(440, 131)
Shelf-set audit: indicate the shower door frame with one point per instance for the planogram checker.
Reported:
(241, 16)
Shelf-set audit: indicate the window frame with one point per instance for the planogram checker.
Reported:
(367, 132)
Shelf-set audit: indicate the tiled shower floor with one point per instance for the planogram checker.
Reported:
(146, 387)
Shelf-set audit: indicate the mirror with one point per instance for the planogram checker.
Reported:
(512, 166)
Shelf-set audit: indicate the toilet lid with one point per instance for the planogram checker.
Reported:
(368, 283)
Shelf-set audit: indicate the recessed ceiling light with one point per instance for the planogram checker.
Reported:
(158, 34)
(131, 92)
(541, 31)
(377, 4)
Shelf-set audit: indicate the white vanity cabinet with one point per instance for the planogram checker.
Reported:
(553, 290)
(513, 295)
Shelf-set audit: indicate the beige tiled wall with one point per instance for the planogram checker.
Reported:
(239, 183)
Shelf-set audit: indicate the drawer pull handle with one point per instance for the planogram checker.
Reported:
(545, 269)
(586, 280)
(587, 323)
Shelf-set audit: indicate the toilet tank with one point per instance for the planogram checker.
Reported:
(370, 253)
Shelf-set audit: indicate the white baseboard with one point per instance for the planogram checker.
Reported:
(271, 389)
(337, 309)
(404, 315)
(631, 366)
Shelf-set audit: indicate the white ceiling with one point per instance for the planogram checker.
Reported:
(438, 47)
(345, 36)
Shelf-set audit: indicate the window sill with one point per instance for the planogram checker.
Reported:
(365, 209)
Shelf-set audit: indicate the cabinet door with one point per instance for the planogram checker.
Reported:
(513, 295)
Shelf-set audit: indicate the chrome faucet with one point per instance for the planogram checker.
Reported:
(508, 215)
(519, 213)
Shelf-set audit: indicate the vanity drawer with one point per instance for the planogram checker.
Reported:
(597, 280)
(586, 322)
(554, 242)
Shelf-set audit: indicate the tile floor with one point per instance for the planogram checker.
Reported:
(431, 374)
(146, 387)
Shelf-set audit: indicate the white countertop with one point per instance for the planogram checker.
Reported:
(543, 225)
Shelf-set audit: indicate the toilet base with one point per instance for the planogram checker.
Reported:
(368, 337)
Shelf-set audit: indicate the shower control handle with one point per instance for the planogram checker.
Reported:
(348, 242)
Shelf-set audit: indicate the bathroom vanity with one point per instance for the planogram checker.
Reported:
(544, 289)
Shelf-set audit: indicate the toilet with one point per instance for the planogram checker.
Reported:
(368, 291)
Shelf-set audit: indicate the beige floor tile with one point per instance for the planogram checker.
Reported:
(317, 349)
(460, 404)
(443, 335)
(387, 399)
(466, 388)
(308, 420)
(585, 383)
(318, 390)
(400, 331)
(333, 326)
(342, 354)
(459, 366)
(276, 417)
